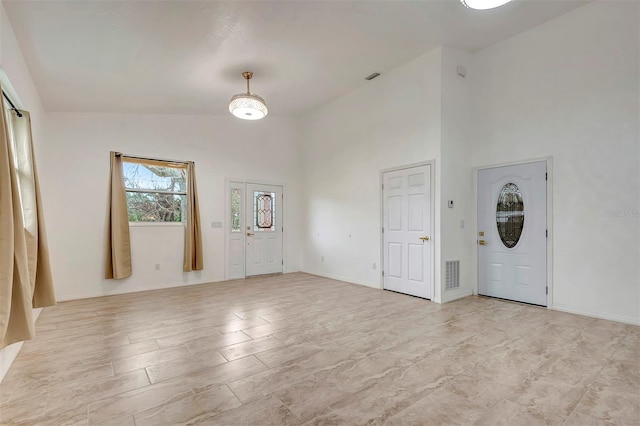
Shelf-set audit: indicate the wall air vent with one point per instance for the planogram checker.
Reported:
(452, 274)
(372, 76)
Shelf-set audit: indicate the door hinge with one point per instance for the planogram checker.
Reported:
(546, 176)
(546, 233)
(383, 230)
(283, 229)
(383, 273)
(383, 186)
(546, 290)
(283, 263)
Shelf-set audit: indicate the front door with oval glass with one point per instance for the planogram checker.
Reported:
(512, 232)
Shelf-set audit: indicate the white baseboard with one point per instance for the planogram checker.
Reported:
(9, 353)
(345, 279)
(127, 290)
(587, 313)
(451, 295)
(130, 288)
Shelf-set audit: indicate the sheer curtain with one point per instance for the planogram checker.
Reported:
(192, 235)
(118, 264)
(25, 271)
(39, 265)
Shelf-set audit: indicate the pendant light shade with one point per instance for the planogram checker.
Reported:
(246, 105)
(483, 4)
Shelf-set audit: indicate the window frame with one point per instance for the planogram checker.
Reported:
(20, 172)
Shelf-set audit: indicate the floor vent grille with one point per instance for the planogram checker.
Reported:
(452, 276)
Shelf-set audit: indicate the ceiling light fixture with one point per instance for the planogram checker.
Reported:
(483, 4)
(247, 105)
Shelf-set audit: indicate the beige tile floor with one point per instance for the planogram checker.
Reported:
(300, 349)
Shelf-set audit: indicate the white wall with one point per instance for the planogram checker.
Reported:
(392, 121)
(16, 81)
(456, 178)
(569, 89)
(74, 173)
(12, 62)
(414, 113)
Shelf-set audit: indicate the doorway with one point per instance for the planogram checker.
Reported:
(407, 224)
(512, 232)
(255, 231)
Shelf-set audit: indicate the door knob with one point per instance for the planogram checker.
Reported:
(249, 234)
(481, 242)
(425, 238)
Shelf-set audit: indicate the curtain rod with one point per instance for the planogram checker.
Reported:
(151, 159)
(13, 107)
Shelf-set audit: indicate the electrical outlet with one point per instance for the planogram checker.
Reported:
(157, 266)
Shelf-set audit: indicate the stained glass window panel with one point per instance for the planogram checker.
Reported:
(264, 207)
(235, 210)
(510, 215)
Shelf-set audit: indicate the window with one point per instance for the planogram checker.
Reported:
(264, 211)
(235, 209)
(24, 172)
(156, 190)
(510, 215)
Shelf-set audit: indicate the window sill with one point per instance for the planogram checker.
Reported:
(156, 224)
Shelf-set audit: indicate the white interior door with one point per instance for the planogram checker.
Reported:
(263, 225)
(406, 197)
(512, 226)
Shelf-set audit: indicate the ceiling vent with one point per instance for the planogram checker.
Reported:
(372, 76)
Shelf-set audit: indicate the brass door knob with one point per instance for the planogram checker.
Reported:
(481, 242)
(425, 238)
(249, 234)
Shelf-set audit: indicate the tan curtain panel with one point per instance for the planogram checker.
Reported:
(192, 234)
(25, 273)
(118, 265)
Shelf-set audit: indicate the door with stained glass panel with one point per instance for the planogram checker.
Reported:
(263, 229)
(512, 232)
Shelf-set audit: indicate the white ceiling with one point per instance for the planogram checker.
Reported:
(186, 57)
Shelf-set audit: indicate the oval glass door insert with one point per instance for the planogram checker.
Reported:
(510, 215)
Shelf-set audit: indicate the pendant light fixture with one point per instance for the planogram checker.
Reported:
(247, 105)
(483, 4)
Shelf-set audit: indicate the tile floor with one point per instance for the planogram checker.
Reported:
(300, 349)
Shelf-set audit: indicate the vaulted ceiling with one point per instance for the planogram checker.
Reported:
(186, 57)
